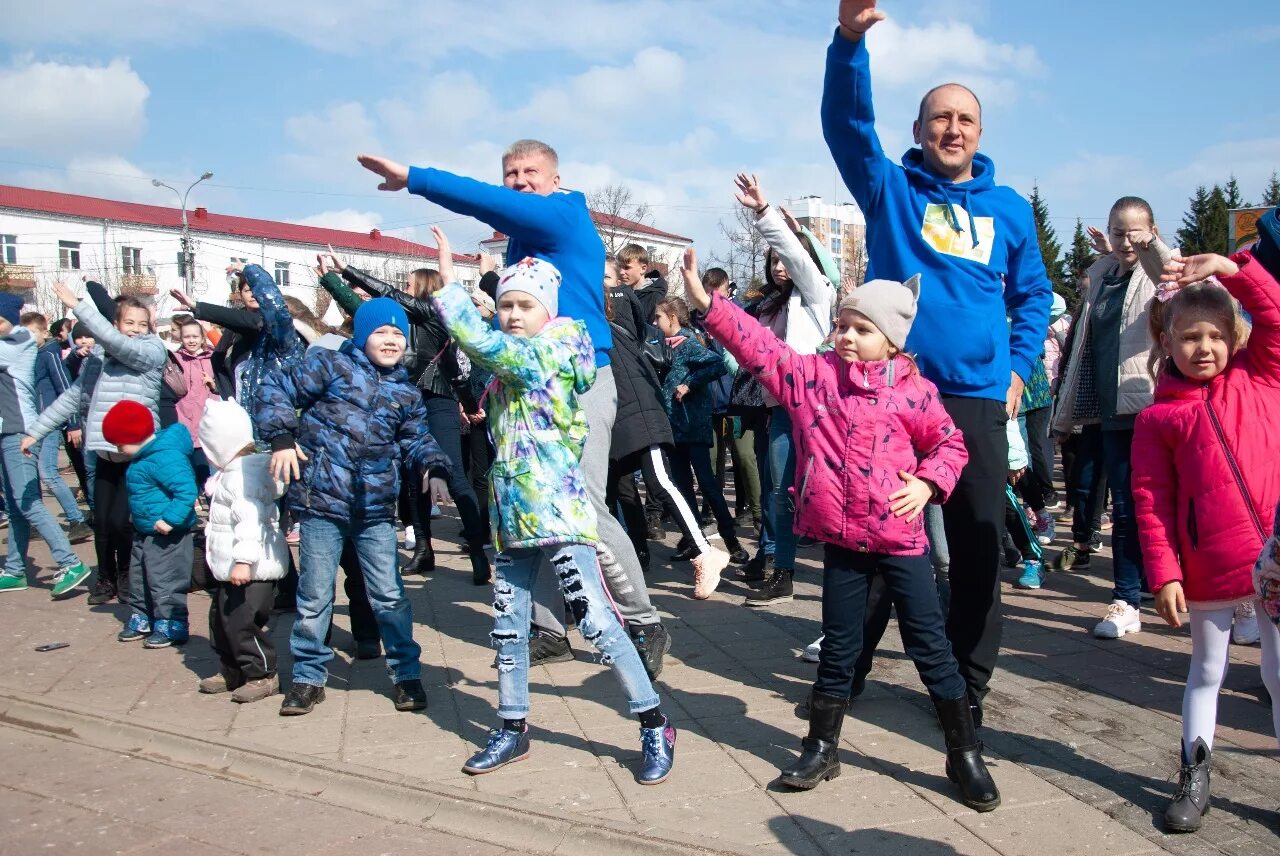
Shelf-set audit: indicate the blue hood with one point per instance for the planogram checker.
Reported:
(984, 178)
(175, 438)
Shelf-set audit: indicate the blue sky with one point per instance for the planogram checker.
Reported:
(1093, 100)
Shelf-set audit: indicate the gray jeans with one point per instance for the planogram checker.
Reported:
(622, 574)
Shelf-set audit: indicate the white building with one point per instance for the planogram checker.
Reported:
(842, 228)
(665, 248)
(137, 249)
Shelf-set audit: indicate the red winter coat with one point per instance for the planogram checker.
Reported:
(1206, 459)
(855, 426)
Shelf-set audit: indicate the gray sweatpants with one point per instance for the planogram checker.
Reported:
(160, 575)
(622, 574)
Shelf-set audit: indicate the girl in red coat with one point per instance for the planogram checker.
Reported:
(1206, 478)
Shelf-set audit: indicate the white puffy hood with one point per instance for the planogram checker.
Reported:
(225, 429)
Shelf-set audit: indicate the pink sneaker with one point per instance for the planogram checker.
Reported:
(706, 572)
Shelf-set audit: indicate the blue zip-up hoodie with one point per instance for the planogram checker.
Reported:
(52, 379)
(973, 243)
(162, 485)
(556, 228)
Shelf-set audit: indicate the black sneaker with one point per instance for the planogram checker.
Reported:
(1072, 558)
(685, 552)
(545, 648)
(655, 531)
(775, 589)
(1095, 541)
(652, 643)
(737, 555)
(103, 592)
(410, 695)
(79, 532)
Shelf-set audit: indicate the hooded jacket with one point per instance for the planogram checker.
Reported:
(855, 426)
(195, 368)
(642, 420)
(1206, 462)
(537, 493)
(812, 295)
(277, 345)
(244, 518)
(17, 381)
(694, 366)
(973, 242)
(162, 485)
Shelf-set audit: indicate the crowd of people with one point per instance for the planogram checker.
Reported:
(911, 425)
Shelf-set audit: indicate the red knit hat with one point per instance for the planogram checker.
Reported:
(128, 422)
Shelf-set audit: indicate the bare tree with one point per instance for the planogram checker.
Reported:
(617, 201)
(745, 257)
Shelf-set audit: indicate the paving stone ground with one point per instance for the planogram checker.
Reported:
(1082, 733)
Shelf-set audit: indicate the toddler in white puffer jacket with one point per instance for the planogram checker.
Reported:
(245, 552)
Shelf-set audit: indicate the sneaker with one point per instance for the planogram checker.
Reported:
(13, 582)
(1072, 558)
(652, 643)
(213, 685)
(545, 648)
(79, 532)
(1244, 626)
(435, 511)
(165, 633)
(706, 572)
(654, 530)
(658, 746)
(102, 592)
(1106, 522)
(1032, 575)
(1054, 502)
(295, 534)
(1121, 618)
(813, 651)
(409, 541)
(775, 589)
(502, 748)
(138, 627)
(256, 690)
(1095, 542)
(1045, 527)
(67, 579)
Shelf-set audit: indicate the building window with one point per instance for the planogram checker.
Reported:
(131, 260)
(9, 249)
(835, 225)
(69, 255)
(282, 274)
(835, 246)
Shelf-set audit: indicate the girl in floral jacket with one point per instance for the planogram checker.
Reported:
(538, 504)
(874, 446)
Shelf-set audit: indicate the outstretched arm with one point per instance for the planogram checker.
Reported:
(848, 120)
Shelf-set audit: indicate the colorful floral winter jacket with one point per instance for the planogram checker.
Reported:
(855, 426)
(695, 366)
(1206, 460)
(537, 492)
(356, 423)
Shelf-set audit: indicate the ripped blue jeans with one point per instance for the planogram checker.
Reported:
(514, 574)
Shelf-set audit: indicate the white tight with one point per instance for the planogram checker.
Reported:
(1210, 641)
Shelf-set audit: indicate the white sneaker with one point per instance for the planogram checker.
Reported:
(1244, 628)
(813, 650)
(1046, 528)
(409, 541)
(435, 511)
(706, 572)
(1121, 618)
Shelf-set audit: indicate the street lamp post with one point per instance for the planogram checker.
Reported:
(186, 230)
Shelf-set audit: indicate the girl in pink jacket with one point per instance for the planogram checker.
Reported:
(873, 447)
(1206, 478)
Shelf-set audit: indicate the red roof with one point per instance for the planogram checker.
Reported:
(612, 221)
(200, 220)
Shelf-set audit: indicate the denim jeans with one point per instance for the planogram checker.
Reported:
(52, 479)
(26, 510)
(319, 552)
(766, 488)
(1110, 452)
(782, 471)
(581, 583)
(908, 580)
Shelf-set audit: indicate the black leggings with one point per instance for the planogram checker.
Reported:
(689, 460)
(657, 476)
(445, 422)
(113, 527)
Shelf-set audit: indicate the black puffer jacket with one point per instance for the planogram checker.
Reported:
(431, 357)
(641, 422)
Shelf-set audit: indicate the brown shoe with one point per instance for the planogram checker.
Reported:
(256, 690)
(214, 685)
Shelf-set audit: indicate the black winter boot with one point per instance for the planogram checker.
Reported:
(424, 558)
(733, 547)
(819, 759)
(965, 766)
(1191, 802)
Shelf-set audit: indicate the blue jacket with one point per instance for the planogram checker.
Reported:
(52, 379)
(973, 242)
(557, 228)
(277, 345)
(162, 485)
(696, 366)
(357, 424)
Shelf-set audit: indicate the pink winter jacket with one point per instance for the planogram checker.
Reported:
(855, 426)
(1206, 459)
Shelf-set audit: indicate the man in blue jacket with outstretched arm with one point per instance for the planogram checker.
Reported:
(545, 222)
(940, 214)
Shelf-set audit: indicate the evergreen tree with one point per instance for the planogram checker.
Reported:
(1232, 192)
(1271, 196)
(1050, 249)
(1204, 226)
(1216, 221)
(1077, 261)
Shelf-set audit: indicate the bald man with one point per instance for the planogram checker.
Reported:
(940, 214)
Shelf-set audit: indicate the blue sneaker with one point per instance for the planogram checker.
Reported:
(166, 633)
(137, 628)
(1032, 574)
(659, 747)
(504, 747)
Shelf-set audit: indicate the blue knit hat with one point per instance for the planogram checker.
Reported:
(1267, 252)
(11, 308)
(376, 313)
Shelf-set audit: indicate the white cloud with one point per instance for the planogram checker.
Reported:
(108, 176)
(54, 108)
(346, 219)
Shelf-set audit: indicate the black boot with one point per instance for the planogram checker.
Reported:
(965, 766)
(1191, 802)
(481, 575)
(301, 699)
(757, 570)
(733, 547)
(819, 759)
(686, 551)
(654, 530)
(424, 558)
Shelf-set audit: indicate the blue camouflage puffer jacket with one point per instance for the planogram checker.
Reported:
(356, 423)
(277, 345)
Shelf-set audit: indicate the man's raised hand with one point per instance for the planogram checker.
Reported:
(693, 283)
(858, 16)
(395, 176)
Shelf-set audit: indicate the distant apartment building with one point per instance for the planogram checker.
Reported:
(841, 228)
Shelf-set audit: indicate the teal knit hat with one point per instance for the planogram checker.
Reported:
(376, 313)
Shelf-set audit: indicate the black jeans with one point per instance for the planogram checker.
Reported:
(621, 493)
(1040, 444)
(690, 460)
(974, 517)
(908, 581)
(445, 422)
(113, 526)
(478, 458)
(238, 630)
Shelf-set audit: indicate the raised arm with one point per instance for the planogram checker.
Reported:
(346, 298)
(848, 120)
(277, 323)
(143, 354)
(238, 320)
(1259, 294)
(519, 362)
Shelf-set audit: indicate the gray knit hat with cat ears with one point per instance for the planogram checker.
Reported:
(890, 305)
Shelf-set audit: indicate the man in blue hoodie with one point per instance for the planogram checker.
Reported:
(941, 214)
(545, 222)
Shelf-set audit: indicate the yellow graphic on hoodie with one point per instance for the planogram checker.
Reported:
(939, 233)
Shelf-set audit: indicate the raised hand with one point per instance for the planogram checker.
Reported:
(322, 266)
(446, 255)
(1098, 238)
(66, 295)
(334, 261)
(180, 297)
(488, 262)
(749, 194)
(236, 267)
(395, 176)
(693, 287)
(1193, 269)
(858, 16)
(792, 223)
